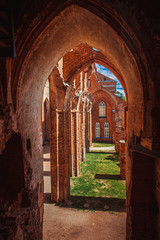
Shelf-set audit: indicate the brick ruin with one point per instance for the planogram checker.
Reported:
(126, 33)
(89, 89)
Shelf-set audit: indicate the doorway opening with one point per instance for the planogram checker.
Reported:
(60, 157)
(105, 117)
(78, 103)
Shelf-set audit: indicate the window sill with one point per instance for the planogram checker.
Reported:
(102, 117)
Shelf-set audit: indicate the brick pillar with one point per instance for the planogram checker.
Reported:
(43, 123)
(116, 141)
(90, 127)
(81, 81)
(61, 156)
(142, 203)
(70, 143)
(125, 121)
(54, 156)
(59, 149)
(46, 120)
(84, 132)
(60, 183)
(122, 159)
(72, 147)
(78, 142)
(114, 127)
(74, 143)
(87, 128)
(79, 120)
(63, 147)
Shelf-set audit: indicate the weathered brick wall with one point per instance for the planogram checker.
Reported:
(114, 108)
(41, 41)
(96, 99)
(106, 82)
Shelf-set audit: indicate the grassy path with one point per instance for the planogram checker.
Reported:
(94, 144)
(100, 179)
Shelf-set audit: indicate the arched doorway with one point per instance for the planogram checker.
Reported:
(62, 35)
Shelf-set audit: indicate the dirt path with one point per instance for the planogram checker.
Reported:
(71, 224)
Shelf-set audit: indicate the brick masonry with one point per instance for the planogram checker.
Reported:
(127, 34)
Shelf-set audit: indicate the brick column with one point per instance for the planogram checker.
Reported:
(79, 117)
(73, 144)
(90, 127)
(60, 183)
(61, 156)
(86, 128)
(84, 132)
(46, 120)
(54, 156)
(78, 142)
(70, 143)
(63, 151)
(59, 149)
(117, 132)
(122, 159)
(43, 123)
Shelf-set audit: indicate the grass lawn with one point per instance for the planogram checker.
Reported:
(94, 144)
(100, 180)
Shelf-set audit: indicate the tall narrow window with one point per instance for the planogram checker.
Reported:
(106, 129)
(102, 109)
(97, 130)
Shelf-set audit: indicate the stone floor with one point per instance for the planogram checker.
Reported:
(72, 224)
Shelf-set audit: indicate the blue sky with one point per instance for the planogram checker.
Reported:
(109, 74)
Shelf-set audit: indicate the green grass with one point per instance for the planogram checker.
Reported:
(94, 144)
(89, 186)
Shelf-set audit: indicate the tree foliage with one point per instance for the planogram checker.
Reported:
(121, 96)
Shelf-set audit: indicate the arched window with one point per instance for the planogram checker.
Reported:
(106, 129)
(97, 130)
(102, 109)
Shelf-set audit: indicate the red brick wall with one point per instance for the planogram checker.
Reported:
(46, 120)
(101, 96)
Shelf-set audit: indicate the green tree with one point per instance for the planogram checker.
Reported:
(121, 96)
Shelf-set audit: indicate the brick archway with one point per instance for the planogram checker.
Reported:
(81, 57)
(57, 38)
(132, 78)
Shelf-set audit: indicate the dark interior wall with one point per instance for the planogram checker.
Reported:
(21, 205)
(11, 170)
(3, 82)
(11, 185)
